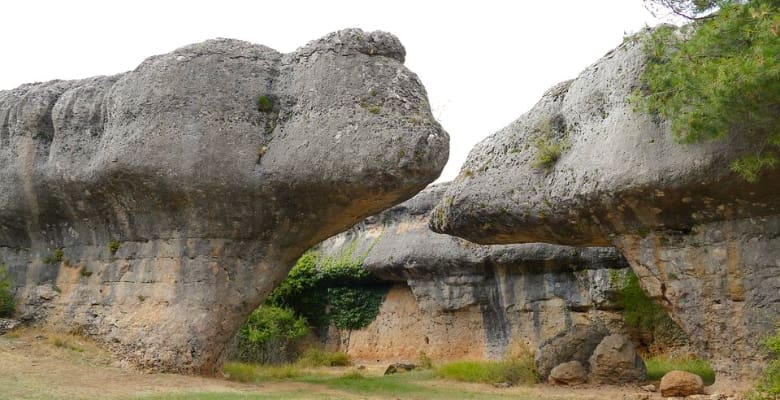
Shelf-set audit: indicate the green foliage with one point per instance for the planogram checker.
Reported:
(7, 303)
(768, 387)
(55, 258)
(113, 246)
(339, 290)
(320, 358)
(264, 104)
(271, 335)
(720, 76)
(657, 367)
(640, 311)
(354, 307)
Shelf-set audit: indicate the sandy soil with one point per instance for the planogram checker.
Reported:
(41, 365)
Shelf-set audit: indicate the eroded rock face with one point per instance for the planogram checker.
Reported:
(158, 207)
(456, 299)
(704, 242)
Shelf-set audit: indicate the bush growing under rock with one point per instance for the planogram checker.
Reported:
(7, 303)
(271, 335)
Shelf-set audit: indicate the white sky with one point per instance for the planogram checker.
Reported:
(484, 63)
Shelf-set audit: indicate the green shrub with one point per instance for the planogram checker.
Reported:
(320, 358)
(643, 314)
(657, 367)
(720, 76)
(113, 246)
(7, 302)
(271, 335)
(340, 290)
(548, 147)
(768, 387)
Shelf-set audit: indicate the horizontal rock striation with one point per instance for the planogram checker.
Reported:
(703, 241)
(154, 209)
(456, 299)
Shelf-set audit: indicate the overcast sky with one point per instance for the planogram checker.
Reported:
(483, 62)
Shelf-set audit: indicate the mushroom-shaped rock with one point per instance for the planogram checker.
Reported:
(583, 167)
(454, 299)
(163, 204)
(615, 362)
(681, 383)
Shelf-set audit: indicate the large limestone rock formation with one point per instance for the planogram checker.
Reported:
(704, 242)
(154, 209)
(455, 299)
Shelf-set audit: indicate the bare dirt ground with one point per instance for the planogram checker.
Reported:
(42, 365)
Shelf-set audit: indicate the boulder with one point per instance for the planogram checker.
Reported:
(703, 241)
(615, 362)
(454, 299)
(681, 383)
(569, 373)
(399, 368)
(166, 202)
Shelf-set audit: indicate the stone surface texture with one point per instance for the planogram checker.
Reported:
(154, 209)
(568, 373)
(704, 242)
(681, 383)
(455, 299)
(615, 362)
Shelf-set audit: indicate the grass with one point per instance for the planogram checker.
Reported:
(320, 358)
(657, 367)
(252, 373)
(66, 343)
(513, 371)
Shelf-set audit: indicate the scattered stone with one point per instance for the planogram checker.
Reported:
(570, 373)
(681, 383)
(361, 366)
(636, 396)
(649, 388)
(615, 362)
(399, 368)
(502, 385)
(697, 397)
(7, 325)
(718, 396)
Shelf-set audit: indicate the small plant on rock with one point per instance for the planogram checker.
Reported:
(264, 104)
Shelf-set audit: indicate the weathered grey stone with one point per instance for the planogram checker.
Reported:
(468, 300)
(704, 242)
(7, 324)
(179, 199)
(569, 373)
(615, 362)
(681, 383)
